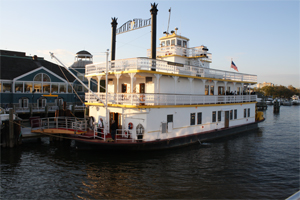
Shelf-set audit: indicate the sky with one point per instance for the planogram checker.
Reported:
(262, 37)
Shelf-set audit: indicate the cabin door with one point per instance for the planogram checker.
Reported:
(226, 119)
(116, 117)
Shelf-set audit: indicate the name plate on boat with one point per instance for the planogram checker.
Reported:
(134, 24)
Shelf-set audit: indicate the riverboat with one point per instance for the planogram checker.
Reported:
(169, 99)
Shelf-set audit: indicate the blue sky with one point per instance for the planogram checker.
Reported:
(262, 37)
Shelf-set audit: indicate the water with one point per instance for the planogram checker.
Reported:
(262, 164)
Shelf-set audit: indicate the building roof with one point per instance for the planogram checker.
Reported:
(83, 52)
(14, 64)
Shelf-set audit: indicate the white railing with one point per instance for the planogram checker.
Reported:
(167, 67)
(169, 99)
(186, 52)
(59, 122)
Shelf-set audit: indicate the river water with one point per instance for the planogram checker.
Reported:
(262, 164)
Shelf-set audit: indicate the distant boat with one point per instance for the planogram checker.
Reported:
(295, 100)
(287, 103)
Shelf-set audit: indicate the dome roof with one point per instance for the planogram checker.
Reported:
(83, 52)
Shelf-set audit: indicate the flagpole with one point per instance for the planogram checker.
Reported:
(230, 63)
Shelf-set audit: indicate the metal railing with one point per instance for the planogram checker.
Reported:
(59, 122)
(167, 67)
(169, 99)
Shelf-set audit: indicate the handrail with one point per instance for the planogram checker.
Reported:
(170, 99)
(167, 67)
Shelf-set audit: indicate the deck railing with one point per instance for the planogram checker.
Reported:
(169, 99)
(76, 124)
(167, 67)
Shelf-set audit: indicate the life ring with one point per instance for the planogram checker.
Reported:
(130, 125)
(142, 97)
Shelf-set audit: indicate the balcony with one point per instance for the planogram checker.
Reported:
(166, 67)
(136, 99)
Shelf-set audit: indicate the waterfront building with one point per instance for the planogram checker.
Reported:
(260, 85)
(26, 82)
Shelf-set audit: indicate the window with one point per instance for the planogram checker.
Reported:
(38, 78)
(221, 90)
(19, 87)
(231, 115)
(214, 116)
(23, 102)
(206, 89)
(38, 87)
(248, 112)
(148, 79)
(235, 114)
(54, 88)
(163, 43)
(28, 87)
(178, 42)
(168, 43)
(193, 118)
(46, 87)
(6, 87)
(42, 102)
(62, 88)
(245, 113)
(219, 116)
(70, 89)
(211, 90)
(199, 118)
(46, 78)
(173, 42)
(59, 102)
(184, 43)
(169, 118)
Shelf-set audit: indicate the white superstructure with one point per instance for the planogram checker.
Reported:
(175, 95)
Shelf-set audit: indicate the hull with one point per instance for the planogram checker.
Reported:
(166, 143)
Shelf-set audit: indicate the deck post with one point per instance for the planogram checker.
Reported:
(11, 128)
(48, 122)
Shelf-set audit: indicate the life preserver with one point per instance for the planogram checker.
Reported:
(142, 97)
(130, 125)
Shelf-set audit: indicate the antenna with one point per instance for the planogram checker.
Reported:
(169, 20)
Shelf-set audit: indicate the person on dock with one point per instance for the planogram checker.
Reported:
(113, 129)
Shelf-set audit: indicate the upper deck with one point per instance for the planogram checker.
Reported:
(160, 66)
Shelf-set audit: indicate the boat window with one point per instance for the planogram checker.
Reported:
(168, 43)
(231, 114)
(248, 112)
(178, 42)
(235, 114)
(206, 89)
(173, 42)
(163, 43)
(245, 113)
(184, 44)
(148, 79)
(169, 118)
(219, 116)
(193, 119)
(199, 118)
(214, 116)
(212, 90)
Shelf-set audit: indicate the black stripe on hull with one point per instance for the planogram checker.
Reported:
(168, 143)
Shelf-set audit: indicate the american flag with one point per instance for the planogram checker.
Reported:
(233, 66)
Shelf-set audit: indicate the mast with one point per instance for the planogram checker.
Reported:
(98, 99)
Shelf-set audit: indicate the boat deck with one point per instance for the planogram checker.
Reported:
(83, 135)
